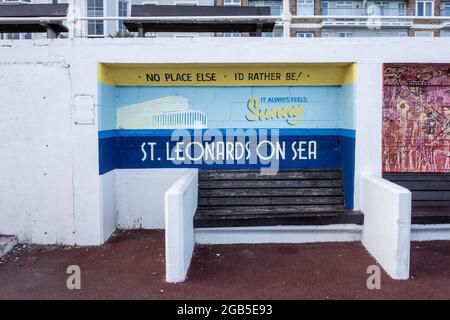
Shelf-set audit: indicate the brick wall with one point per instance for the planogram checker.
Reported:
(293, 7)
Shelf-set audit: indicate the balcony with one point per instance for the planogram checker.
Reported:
(276, 7)
(364, 16)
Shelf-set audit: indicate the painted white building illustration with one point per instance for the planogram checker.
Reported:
(164, 113)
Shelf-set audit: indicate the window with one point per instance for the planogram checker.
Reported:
(95, 9)
(305, 7)
(383, 34)
(275, 9)
(402, 34)
(275, 6)
(401, 8)
(424, 34)
(445, 9)
(13, 36)
(324, 7)
(231, 34)
(122, 10)
(273, 34)
(345, 34)
(344, 8)
(424, 8)
(326, 34)
(186, 35)
(344, 4)
(186, 3)
(305, 34)
(383, 7)
(232, 3)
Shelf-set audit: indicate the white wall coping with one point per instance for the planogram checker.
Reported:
(387, 185)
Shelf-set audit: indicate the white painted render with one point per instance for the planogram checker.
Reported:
(387, 224)
(72, 203)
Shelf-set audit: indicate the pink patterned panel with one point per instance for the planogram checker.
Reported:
(416, 118)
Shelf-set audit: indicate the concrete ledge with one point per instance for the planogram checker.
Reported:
(279, 234)
(6, 244)
(429, 232)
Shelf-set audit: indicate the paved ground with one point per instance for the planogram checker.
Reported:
(131, 266)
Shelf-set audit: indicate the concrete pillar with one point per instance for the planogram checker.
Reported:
(51, 34)
(141, 33)
(286, 18)
(73, 23)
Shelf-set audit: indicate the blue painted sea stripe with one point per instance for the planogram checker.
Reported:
(120, 149)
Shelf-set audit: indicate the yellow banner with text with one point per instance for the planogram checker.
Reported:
(204, 75)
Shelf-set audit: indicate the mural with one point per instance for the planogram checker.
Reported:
(228, 116)
(416, 118)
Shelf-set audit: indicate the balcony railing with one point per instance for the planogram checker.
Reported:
(368, 11)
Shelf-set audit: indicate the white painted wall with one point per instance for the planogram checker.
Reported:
(387, 224)
(180, 207)
(72, 202)
(36, 187)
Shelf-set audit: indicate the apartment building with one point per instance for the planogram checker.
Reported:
(300, 27)
(367, 27)
(348, 27)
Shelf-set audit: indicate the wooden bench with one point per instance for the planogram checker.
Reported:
(430, 195)
(244, 198)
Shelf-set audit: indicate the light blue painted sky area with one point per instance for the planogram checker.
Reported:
(226, 107)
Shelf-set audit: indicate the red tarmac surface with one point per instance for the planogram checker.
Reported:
(131, 266)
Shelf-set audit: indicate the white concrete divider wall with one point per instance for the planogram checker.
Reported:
(180, 207)
(387, 224)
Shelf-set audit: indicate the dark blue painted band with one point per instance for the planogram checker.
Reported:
(121, 149)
